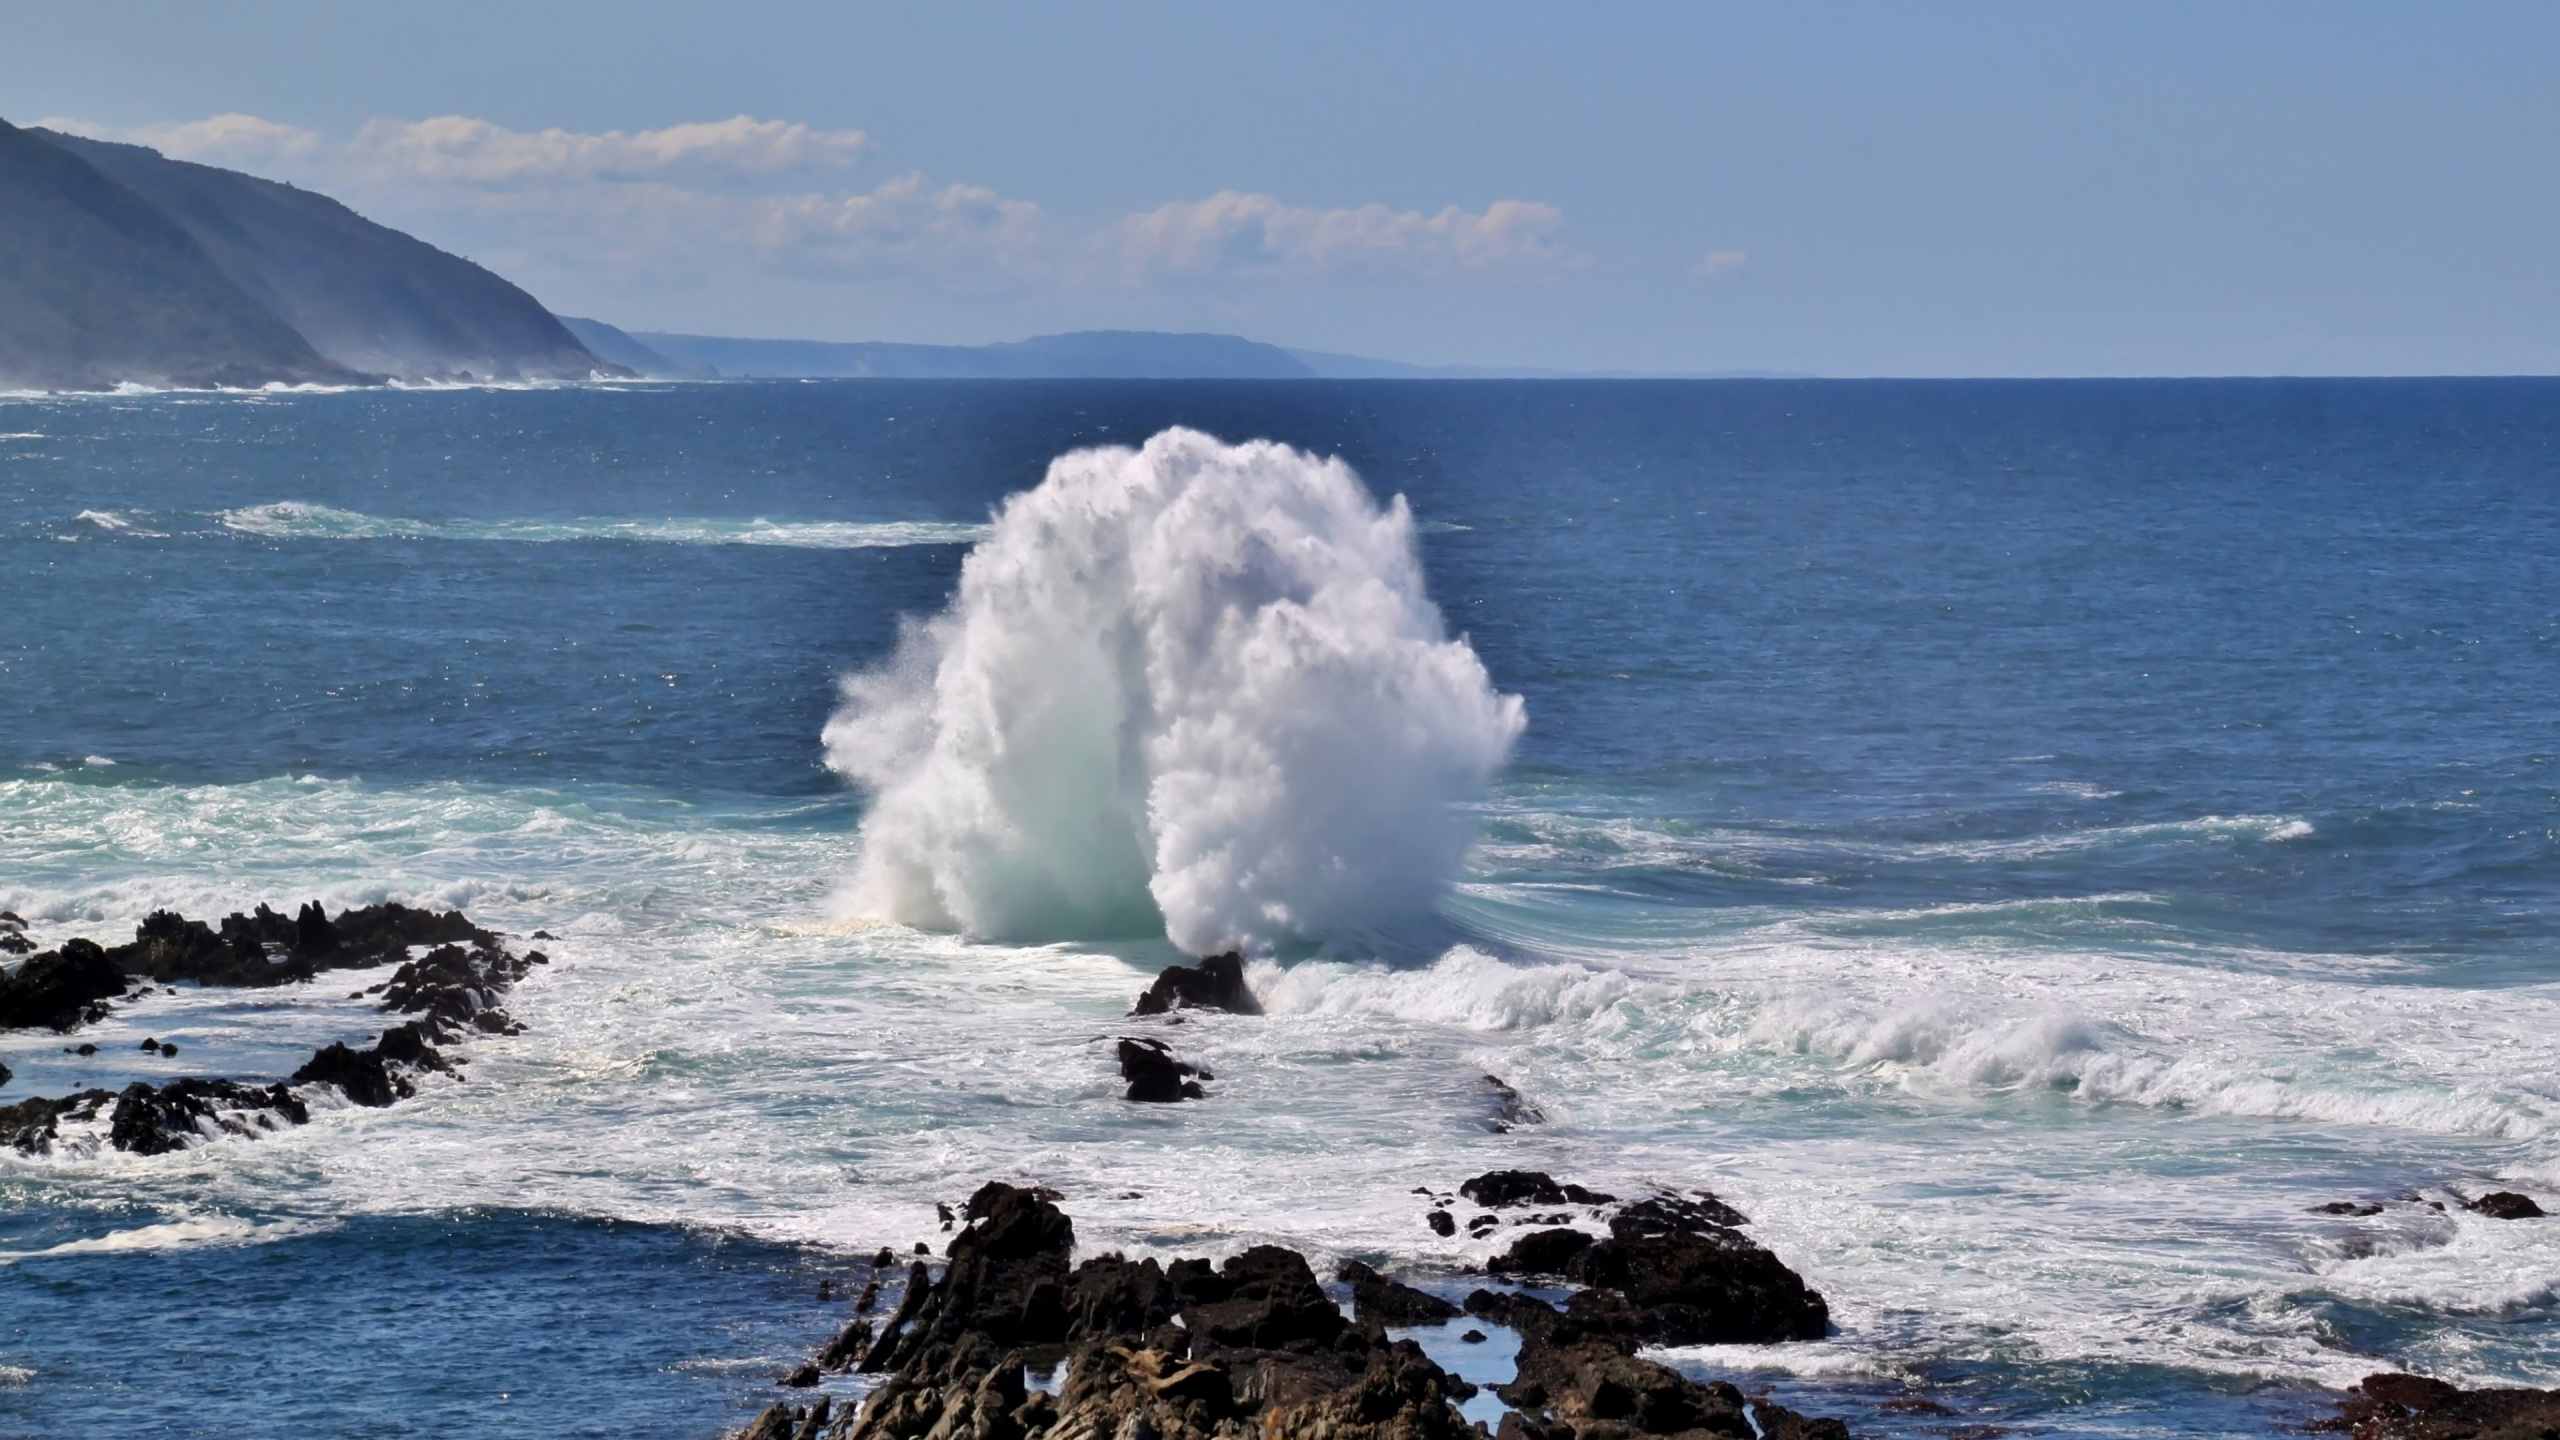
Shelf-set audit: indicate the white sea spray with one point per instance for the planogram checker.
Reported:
(1192, 685)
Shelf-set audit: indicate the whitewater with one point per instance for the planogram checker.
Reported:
(1972, 860)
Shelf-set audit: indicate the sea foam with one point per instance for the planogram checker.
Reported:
(1192, 685)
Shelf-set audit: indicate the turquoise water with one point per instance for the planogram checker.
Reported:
(2025, 844)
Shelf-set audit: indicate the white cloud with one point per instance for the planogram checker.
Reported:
(1718, 262)
(1233, 232)
(672, 205)
(907, 220)
(242, 142)
(461, 150)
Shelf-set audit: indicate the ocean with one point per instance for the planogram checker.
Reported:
(2026, 845)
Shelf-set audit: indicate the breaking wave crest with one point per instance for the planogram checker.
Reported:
(299, 520)
(1193, 685)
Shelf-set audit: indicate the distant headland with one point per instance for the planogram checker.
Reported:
(120, 266)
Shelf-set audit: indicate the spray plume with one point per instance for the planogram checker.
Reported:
(1192, 687)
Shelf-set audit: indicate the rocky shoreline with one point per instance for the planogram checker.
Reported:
(1142, 1350)
(452, 988)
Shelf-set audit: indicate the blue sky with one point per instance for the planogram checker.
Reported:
(1844, 189)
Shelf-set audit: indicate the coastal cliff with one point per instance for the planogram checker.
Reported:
(119, 265)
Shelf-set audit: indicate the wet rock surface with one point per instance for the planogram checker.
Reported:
(1156, 1076)
(2505, 1205)
(60, 989)
(1392, 1302)
(1250, 1349)
(1216, 983)
(452, 990)
(2412, 1407)
(1673, 1271)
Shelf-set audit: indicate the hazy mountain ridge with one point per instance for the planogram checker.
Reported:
(98, 286)
(1086, 354)
(120, 265)
(1076, 355)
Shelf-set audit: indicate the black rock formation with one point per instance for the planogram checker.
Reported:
(59, 988)
(1216, 983)
(1259, 1354)
(1155, 1076)
(1500, 1189)
(2413, 1407)
(1391, 1302)
(1672, 1272)
(2505, 1205)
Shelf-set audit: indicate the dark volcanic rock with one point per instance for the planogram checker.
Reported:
(1713, 1287)
(59, 988)
(1501, 1189)
(1259, 1354)
(1007, 1281)
(154, 1120)
(2505, 1205)
(1391, 1302)
(1216, 983)
(2412, 1407)
(1263, 1299)
(151, 1121)
(1155, 1076)
(1541, 1252)
(1673, 1271)
(1441, 1222)
(2347, 1207)
(1508, 1111)
(1583, 1386)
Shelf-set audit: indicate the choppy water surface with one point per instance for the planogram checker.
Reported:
(2024, 844)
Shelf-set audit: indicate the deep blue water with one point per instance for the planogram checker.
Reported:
(2249, 678)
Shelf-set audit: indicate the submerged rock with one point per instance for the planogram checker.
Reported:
(1155, 1076)
(2413, 1407)
(1216, 983)
(1501, 1189)
(1391, 1302)
(1509, 1110)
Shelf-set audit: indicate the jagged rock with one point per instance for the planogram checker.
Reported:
(1006, 1280)
(1672, 1215)
(1502, 1189)
(1259, 1353)
(2413, 1407)
(369, 1076)
(1441, 1222)
(1391, 1302)
(1579, 1385)
(847, 1349)
(2505, 1205)
(1265, 1299)
(4, 1074)
(1216, 983)
(2346, 1207)
(13, 943)
(32, 1125)
(1683, 1276)
(155, 1121)
(1155, 1076)
(1508, 1109)
(59, 988)
(1541, 1252)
